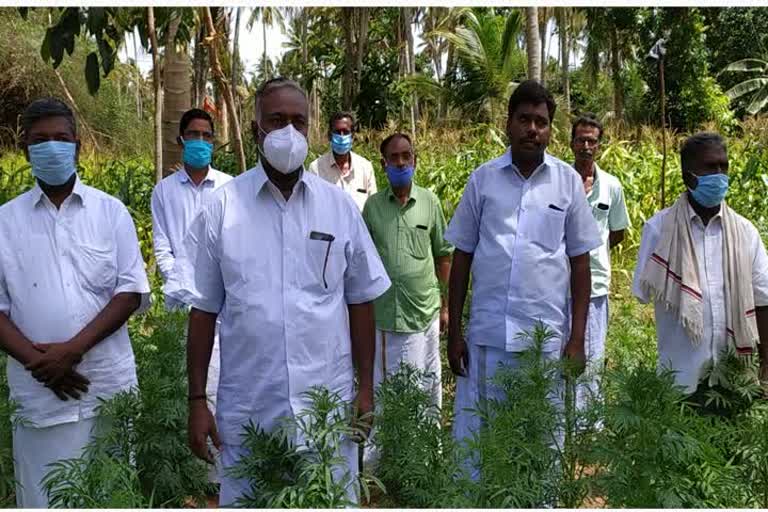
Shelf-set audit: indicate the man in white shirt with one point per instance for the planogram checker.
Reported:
(286, 262)
(525, 229)
(176, 200)
(706, 270)
(71, 275)
(343, 167)
(606, 198)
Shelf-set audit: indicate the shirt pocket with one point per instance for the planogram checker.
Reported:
(600, 213)
(418, 243)
(545, 227)
(97, 265)
(326, 263)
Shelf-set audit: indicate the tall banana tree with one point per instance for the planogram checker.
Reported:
(757, 86)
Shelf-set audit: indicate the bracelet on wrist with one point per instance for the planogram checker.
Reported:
(193, 398)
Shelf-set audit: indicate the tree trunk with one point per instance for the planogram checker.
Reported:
(347, 14)
(236, 52)
(225, 87)
(618, 86)
(543, 26)
(158, 89)
(176, 96)
(139, 106)
(411, 64)
(361, 40)
(266, 71)
(201, 70)
(532, 43)
(565, 55)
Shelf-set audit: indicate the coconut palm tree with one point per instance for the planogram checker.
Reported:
(533, 42)
(269, 16)
(488, 63)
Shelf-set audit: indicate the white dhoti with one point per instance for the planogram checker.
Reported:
(477, 385)
(34, 449)
(419, 349)
(588, 387)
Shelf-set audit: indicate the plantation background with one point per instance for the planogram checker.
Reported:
(450, 94)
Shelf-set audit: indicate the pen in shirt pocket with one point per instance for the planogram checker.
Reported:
(556, 208)
(325, 237)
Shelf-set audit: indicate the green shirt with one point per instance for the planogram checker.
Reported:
(610, 211)
(409, 238)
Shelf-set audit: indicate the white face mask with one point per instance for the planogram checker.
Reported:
(285, 149)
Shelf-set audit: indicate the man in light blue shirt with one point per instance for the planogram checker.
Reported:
(525, 229)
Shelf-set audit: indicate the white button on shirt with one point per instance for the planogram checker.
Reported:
(58, 270)
(676, 350)
(522, 233)
(359, 183)
(256, 259)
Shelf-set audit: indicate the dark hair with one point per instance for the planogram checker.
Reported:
(392, 137)
(587, 119)
(191, 114)
(274, 84)
(695, 144)
(45, 108)
(532, 93)
(338, 116)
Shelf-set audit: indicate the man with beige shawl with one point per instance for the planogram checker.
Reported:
(705, 268)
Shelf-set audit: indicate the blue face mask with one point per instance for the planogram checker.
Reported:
(53, 162)
(197, 153)
(341, 144)
(399, 177)
(710, 190)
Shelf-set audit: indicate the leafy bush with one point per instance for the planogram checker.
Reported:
(297, 465)
(418, 457)
(141, 457)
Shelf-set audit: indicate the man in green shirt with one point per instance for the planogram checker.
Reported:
(407, 224)
(606, 197)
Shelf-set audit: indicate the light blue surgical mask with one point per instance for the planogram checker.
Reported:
(710, 189)
(399, 177)
(53, 162)
(341, 144)
(197, 153)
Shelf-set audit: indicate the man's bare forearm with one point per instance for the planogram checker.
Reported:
(362, 329)
(761, 315)
(14, 343)
(117, 311)
(458, 284)
(202, 329)
(443, 271)
(581, 288)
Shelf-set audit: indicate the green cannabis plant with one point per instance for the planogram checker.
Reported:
(419, 463)
(300, 464)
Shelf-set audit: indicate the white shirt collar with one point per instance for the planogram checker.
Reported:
(79, 190)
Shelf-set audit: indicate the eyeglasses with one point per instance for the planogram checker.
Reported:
(197, 134)
(583, 141)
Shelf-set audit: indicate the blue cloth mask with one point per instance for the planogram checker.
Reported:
(710, 190)
(341, 144)
(197, 153)
(53, 162)
(399, 177)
